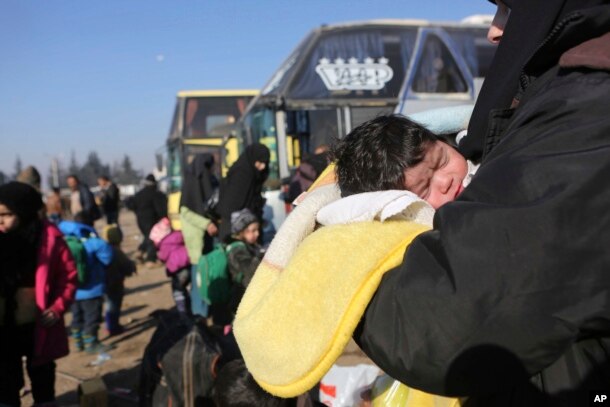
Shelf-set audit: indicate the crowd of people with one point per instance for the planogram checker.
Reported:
(502, 302)
(81, 268)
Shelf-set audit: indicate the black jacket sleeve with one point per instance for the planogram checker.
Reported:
(87, 199)
(514, 275)
(235, 192)
(112, 197)
(160, 204)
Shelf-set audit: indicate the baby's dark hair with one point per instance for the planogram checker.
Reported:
(374, 155)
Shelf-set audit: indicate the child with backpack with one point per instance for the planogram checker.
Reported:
(172, 251)
(92, 255)
(244, 254)
(120, 267)
(224, 272)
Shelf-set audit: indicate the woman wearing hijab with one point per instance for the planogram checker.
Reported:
(37, 285)
(150, 206)
(505, 301)
(242, 188)
(197, 228)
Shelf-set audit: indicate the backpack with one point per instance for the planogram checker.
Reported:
(77, 248)
(189, 368)
(213, 277)
(178, 363)
(160, 230)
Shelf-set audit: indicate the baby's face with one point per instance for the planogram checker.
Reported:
(437, 179)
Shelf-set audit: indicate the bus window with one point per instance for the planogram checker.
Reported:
(355, 63)
(362, 114)
(437, 71)
(260, 125)
(310, 129)
(174, 132)
(216, 124)
(190, 151)
(174, 169)
(323, 129)
(204, 115)
(473, 46)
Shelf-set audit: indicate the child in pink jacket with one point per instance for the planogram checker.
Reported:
(172, 252)
(37, 285)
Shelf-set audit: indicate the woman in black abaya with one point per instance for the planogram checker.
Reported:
(505, 301)
(242, 188)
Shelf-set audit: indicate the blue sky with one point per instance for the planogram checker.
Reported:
(102, 75)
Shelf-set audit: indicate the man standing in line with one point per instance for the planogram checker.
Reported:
(82, 201)
(110, 199)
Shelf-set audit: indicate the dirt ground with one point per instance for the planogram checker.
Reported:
(146, 293)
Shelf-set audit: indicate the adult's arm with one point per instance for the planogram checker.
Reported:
(234, 192)
(62, 277)
(87, 198)
(195, 219)
(515, 272)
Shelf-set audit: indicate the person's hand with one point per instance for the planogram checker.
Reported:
(49, 318)
(212, 229)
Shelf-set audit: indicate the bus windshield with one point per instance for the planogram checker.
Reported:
(209, 117)
(358, 62)
(204, 122)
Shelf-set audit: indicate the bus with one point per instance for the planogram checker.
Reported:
(343, 74)
(204, 121)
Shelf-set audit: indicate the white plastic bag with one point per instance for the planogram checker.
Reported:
(342, 385)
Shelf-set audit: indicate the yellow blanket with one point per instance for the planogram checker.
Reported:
(293, 324)
(310, 291)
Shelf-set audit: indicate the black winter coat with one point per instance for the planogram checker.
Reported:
(110, 199)
(150, 205)
(507, 300)
(242, 188)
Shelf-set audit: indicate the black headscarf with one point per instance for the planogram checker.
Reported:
(198, 183)
(243, 185)
(530, 22)
(18, 248)
(245, 162)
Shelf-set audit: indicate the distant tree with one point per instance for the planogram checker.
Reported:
(3, 178)
(125, 174)
(18, 167)
(73, 168)
(92, 169)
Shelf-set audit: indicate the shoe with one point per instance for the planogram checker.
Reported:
(78, 340)
(93, 345)
(113, 326)
(97, 347)
(118, 330)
